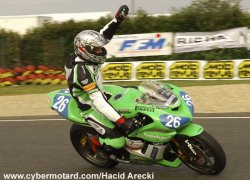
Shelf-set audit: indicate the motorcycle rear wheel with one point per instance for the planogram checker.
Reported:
(79, 136)
(210, 158)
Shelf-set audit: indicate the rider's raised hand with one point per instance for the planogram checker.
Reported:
(122, 13)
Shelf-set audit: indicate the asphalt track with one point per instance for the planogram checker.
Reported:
(42, 145)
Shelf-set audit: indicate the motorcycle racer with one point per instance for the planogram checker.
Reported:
(82, 69)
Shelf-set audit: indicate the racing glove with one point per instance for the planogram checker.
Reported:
(128, 126)
(122, 13)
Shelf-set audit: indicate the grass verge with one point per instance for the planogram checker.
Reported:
(38, 89)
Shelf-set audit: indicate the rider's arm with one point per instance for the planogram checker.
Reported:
(109, 30)
(88, 84)
(101, 104)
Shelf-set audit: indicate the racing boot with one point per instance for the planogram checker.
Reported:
(102, 151)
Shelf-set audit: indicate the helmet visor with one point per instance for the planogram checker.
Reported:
(98, 51)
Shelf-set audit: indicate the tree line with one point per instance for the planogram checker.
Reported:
(50, 44)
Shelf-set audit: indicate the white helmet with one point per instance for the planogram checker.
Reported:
(89, 44)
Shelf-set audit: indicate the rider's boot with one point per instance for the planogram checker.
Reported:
(102, 151)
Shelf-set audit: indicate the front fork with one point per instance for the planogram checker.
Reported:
(181, 143)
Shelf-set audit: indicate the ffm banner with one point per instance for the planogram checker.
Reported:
(248, 39)
(200, 41)
(151, 44)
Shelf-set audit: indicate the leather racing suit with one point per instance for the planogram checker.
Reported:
(84, 81)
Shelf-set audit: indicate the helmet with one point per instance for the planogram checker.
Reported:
(89, 44)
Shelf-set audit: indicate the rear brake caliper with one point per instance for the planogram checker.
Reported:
(83, 141)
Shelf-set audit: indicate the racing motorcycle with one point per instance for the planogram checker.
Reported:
(167, 136)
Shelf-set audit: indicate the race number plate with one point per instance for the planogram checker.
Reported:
(61, 104)
(188, 101)
(173, 122)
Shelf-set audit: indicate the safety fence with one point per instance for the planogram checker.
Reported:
(134, 71)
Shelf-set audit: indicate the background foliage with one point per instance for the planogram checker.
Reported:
(51, 44)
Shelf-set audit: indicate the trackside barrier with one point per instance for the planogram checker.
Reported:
(134, 71)
(173, 70)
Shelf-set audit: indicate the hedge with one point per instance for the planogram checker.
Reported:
(51, 44)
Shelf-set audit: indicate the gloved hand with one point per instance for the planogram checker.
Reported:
(128, 126)
(122, 13)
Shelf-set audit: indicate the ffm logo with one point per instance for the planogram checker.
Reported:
(142, 44)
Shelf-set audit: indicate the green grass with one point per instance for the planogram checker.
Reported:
(38, 89)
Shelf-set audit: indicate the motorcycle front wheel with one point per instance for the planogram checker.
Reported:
(80, 138)
(201, 153)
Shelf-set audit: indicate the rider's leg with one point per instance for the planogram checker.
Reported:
(110, 135)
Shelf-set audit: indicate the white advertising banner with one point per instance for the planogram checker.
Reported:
(151, 44)
(200, 41)
(248, 39)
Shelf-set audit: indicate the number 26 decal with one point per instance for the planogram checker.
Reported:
(61, 103)
(173, 122)
(187, 99)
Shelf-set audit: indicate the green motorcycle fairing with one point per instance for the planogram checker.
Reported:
(65, 105)
(166, 121)
(168, 109)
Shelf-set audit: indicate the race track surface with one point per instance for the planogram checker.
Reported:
(43, 146)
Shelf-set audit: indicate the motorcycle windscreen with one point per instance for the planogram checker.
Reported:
(156, 94)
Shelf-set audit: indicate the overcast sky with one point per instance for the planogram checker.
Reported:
(33, 7)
